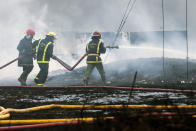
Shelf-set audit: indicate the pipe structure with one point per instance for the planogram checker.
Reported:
(68, 67)
(109, 87)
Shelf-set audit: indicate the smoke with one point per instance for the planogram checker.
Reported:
(62, 16)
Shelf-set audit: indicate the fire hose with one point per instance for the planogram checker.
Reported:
(68, 67)
(72, 121)
(57, 59)
(9, 63)
(15, 60)
(5, 113)
(63, 122)
(39, 121)
(65, 65)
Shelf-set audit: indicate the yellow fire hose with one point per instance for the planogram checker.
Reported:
(5, 113)
(39, 121)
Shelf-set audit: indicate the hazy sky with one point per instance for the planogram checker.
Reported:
(88, 15)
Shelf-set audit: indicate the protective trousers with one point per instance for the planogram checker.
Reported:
(26, 71)
(43, 73)
(90, 67)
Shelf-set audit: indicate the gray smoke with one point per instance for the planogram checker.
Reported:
(63, 16)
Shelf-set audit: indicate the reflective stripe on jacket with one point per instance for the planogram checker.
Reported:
(43, 52)
(93, 49)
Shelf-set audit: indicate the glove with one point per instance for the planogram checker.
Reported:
(54, 57)
(34, 54)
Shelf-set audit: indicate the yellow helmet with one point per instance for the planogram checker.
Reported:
(52, 34)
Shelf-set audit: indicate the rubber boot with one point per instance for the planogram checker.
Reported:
(36, 80)
(85, 82)
(103, 80)
(40, 85)
(22, 81)
(104, 83)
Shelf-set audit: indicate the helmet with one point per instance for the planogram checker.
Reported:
(30, 32)
(96, 33)
(52, 34)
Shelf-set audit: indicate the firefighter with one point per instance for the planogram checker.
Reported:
(44, 52)
(93, 49)
(25, 56)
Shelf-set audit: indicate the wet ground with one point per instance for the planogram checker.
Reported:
(148, 77)
(28, 97)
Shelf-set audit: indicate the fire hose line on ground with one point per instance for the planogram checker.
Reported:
(110, 87)
(5, 113)
(45, 125)
(39, 121)
(73, 121)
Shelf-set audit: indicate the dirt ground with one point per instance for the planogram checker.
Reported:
(127, 120)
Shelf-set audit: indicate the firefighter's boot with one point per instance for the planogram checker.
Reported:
(103, 79)
(22, 81)
(85, 81)
(36, 80)
(40, 85)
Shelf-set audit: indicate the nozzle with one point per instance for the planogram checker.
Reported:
(112, 47)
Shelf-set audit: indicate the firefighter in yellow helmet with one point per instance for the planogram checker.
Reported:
(94, 48)
(44, 52)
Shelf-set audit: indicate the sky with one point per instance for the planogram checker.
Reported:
(86, 16)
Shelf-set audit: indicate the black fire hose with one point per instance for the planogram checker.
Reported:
(68, 67)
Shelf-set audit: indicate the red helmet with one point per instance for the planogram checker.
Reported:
(30, 32)
(96, 33)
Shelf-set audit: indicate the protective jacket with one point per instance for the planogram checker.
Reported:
(94, 48)
(25, 52)
(44, 50)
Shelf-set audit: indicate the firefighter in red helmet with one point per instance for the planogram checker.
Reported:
(94, 48)
(26, 55)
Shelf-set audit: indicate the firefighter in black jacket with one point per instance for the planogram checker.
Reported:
(44, 52)
(26, 56)
(94, 48)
